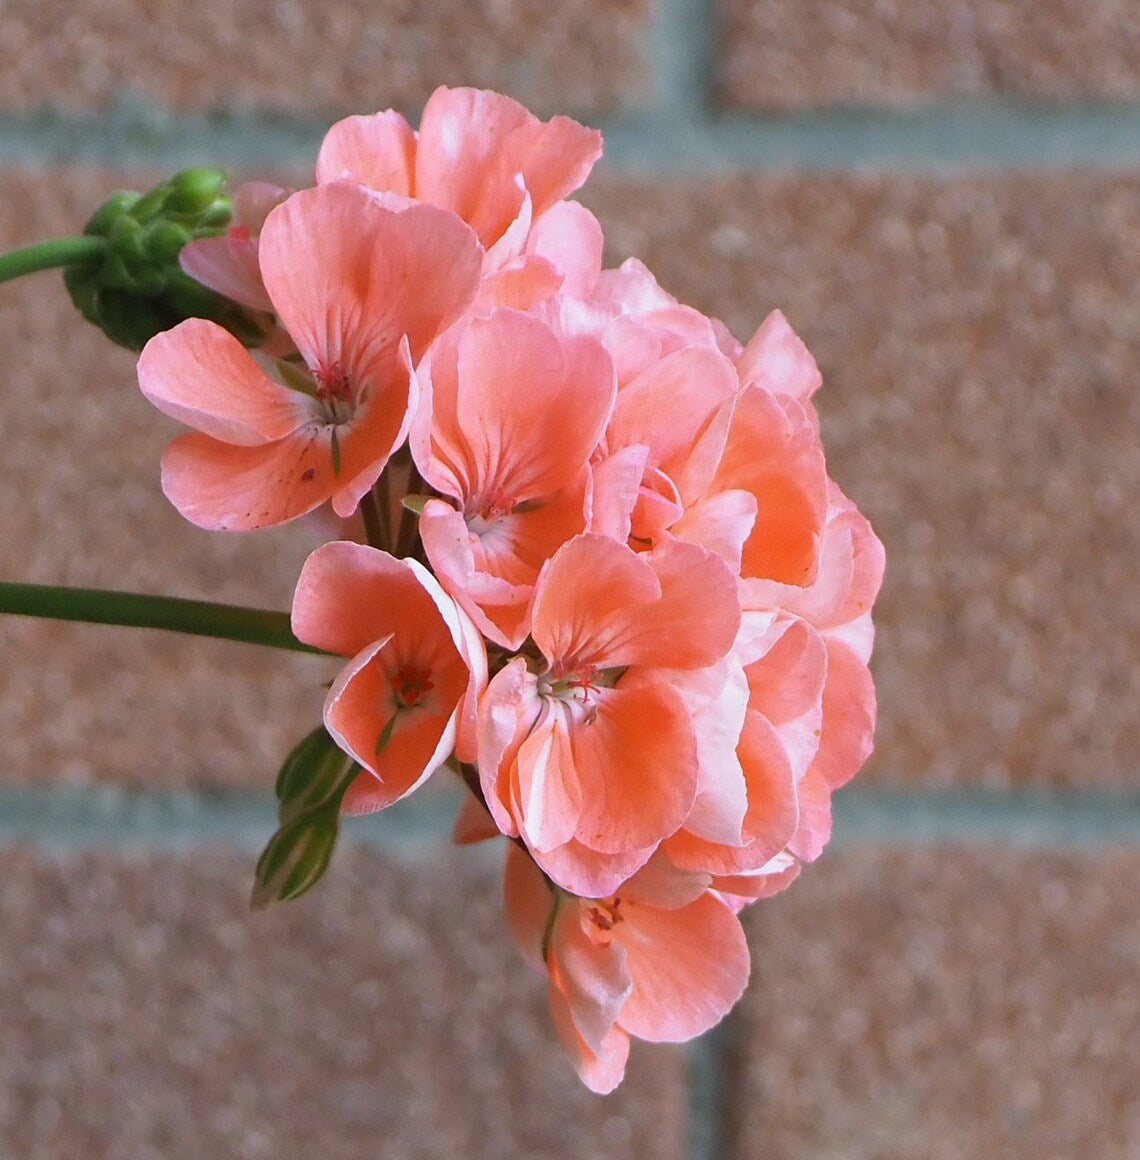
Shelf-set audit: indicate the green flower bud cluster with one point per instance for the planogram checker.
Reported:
(135, 288)
(310, 787)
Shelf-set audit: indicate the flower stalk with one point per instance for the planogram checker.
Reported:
(49, 255)
(138, 610)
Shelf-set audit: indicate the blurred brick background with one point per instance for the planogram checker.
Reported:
(978, 326)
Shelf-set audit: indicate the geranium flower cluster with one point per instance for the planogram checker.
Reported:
(607, 577)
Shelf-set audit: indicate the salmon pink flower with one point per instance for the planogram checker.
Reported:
(362, 290)
(590, 754)
(620, 966)
(838, 607)
(477, 153)
(515, 412)
(406, 699)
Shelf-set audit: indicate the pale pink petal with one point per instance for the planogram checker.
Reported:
(599, 601)
(528, 899)
(225, 488)
(350, 277)
(601, 1071)
(721, 523)
(498, 608)
(591, 974)
(774, 452)
(377, 150)
(814, 829)
(461, 138)
(531, 405)
(689, 967)
(776, 359)
(569, 237)
(228, 265)
(590, 873)
(473, 823)
(548, 793)
(616, 484)
(508, 710)
(473, 143)
(667, 406)
(850, 574)
(202, 376)
(848, 717)
(379, 425)
(592, 593)
(786, 682)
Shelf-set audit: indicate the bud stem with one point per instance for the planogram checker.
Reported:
(46, 255)
(131, 609)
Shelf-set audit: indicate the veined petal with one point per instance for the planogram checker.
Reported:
(689, 967)
(635, 759)
(776, 359)
(667, 406)
(377, 151)
(202, 376)
(359, 711)
(592, 975)
(602, 1070)
(349, 276)
(548, 792)
(530, 408)
(225, 488)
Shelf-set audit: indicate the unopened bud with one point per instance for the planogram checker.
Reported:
(136, 288)
(297, 856)
(313, 775)
(197, 191)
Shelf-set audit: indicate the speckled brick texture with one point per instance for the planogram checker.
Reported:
(939, 1005)
(289, 56)
(979, 338)
(148, 1013)
(800, 54)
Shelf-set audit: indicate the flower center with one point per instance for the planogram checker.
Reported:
(606, 915)
(334, 392)
(410, 685)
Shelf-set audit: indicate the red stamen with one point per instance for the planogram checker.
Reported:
(410, 684)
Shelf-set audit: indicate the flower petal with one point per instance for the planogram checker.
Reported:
(202, 376)
(689, 967)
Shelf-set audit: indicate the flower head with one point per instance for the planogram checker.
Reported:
(361, 289)
(620, 966)
(406, 698)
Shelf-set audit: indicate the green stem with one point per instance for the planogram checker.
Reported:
(46, 255)
(195, 617)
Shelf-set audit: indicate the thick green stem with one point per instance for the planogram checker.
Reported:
(46, 255)
(131, 609)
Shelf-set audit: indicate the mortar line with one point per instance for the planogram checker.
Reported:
(670, 139)
(85, 817)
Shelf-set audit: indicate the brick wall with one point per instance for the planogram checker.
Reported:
(945, 201)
